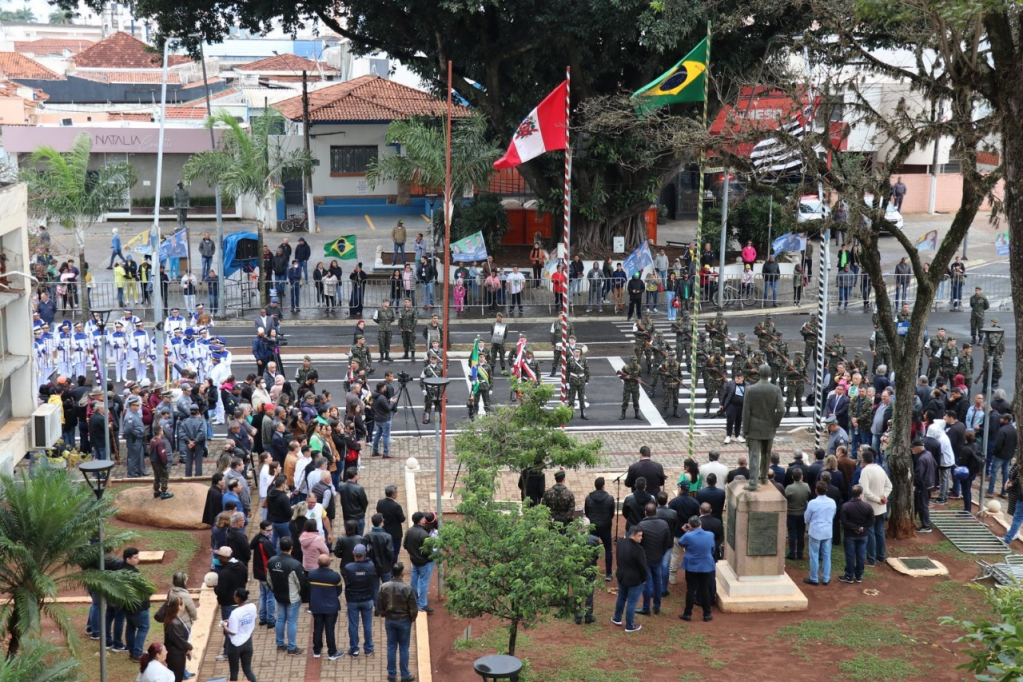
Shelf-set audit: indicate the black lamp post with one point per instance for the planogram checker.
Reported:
(440, 383)
(991, 336)
(100, 317)
(498, 667)
(97, 475)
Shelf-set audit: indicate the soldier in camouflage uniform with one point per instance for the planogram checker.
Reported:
(559, 499)
(978, 306)
(879, 349)
(935, 349)
(859, 365)
(655, 354)
(718, 332)
(966, 364)
(497, 351)
(861, 411)
(714, 379)
(631, 375)
(835, 353)
(432, 396)
(555, 336)
(384, 319)
(904, 316)
(741, 352)
(360, 353)
(578, 377)
(407, 320)
(702, 361)
(483, 352)
(752, 369)
(671, 374)
(950, 360)
(481, 389)
(765, 332)
(434, 351)
(433, 332)
(993, 351)
(810, 336)
(642, 336)
(777, 358)
(683, 328)
(795, 380)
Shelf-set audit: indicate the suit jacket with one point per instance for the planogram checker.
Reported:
(715, 497)
(652, 471)
(838, 405)
(712, 524)
(762, 410)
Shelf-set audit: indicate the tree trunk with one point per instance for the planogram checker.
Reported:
(14, 643)
(1012, 145)
(260, 223)
(513, 632)
(900, 460)
(595, 238)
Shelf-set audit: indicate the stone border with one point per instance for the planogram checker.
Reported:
(939, 570)
(203, 626)
(425, 671)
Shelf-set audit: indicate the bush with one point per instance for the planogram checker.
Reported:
(168, 202)
(996, 646)
(483, 213)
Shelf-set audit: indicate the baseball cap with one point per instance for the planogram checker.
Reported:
(225, 551)
(830, 419)
(359, 550)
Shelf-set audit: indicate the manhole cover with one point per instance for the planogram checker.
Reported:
(918, 563)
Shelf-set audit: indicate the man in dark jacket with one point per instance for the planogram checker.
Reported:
(599, 508)
(813, 472)
(361, 582)
(215, 501)
(394, 517)
(857, 519)
(648, 469)
(1004, 451)
(532, 484)
(712, 495)
(353, 500)
(684, 506)
(656, 544)
(631, 576)
(278, 509)
(741, 470)
(398, 606)
(378, 542)
(669, 516)
(231, 575)
(324, 590)
(97, 432)
(237, 541)
(288, 581)
(924, 479)
(261, 549)
(797, 463)
(344, 548)
(422, 561)
(632, 508)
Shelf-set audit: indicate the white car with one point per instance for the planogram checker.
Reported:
(811, 208)
(891, 214)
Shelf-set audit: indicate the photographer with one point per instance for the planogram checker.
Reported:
(261, 350)
(383, 410)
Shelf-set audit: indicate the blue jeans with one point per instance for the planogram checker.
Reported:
(399, 246)
(267, 603)
(363, 609)
(855, 553)
(115, 625)
(820, 558)
(772, 288)
(68, 435)
(967, 490)
(672, 313)
(1017, 521)
(93, 623)
(665, 569)
(652, 588)
(428, 293)
(876, 552)
(207, 265)
(383, 430)
(398, 632)
(993, 467)
(421, 583)
(303, 267)
(136, 628)
(627, 599)
(115, 253)
(281, 530)
(295, 289)
(287, 615)
(99, 452)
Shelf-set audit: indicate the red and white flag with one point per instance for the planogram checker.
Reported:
(544, 130)
(521, 367)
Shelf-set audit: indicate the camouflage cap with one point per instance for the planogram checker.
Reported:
(838, 336)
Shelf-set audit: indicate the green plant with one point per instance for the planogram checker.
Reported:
(62, 189)
(39, 662)
(873, 667)
(47, 528)
(484, 213)
(168, 201)
(996, 645)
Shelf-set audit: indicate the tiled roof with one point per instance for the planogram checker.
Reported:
(286, 62)
(150, 76)
(14, 65)
(52, 46)
(122, 51)
(367, 98)
(130, 116)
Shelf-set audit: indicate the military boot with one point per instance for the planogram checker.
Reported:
(623, 415)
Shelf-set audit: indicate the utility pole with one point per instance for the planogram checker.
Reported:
(216, 191)
(308, 177)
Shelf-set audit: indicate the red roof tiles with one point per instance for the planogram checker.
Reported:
(122, 51)
(367, 98)
(52, 46)
(14, 65)
(286, 62)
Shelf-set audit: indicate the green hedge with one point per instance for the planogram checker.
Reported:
(168, 202)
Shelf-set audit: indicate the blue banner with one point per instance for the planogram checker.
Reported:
(638, 260)
(789, 242)
(175, 246)
(470, 249)
(1002, 243)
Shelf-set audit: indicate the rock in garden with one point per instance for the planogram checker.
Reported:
(183, 511)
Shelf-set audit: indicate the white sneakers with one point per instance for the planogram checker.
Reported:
(728, 439)
(741, 439)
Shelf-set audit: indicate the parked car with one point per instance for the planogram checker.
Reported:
(892, 215)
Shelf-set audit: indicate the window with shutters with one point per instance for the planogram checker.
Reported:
(351, 160)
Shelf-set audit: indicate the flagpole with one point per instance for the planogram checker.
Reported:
(567, 220)
(447, 254)
(696, 289)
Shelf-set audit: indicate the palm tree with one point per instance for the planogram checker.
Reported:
(253, 163)
(423, 155)
(47, 527)
(61, 188)
(62, 17)
(24, 15)
(40, 662)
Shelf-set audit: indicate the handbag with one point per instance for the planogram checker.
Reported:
(675, 303)
(660, 288)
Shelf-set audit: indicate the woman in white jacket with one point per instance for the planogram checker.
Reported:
(153, 666)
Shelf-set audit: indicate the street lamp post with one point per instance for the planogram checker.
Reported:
(991, 337)
(101, 324)
(442, 384)
(97, 475)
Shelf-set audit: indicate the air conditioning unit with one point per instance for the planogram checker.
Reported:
(67, 122)
(46, 428)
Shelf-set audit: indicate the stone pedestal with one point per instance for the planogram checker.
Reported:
(752, 576)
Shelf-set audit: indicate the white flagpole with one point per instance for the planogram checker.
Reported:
(568, 232)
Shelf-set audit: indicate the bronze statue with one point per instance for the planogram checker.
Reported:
(762, 411)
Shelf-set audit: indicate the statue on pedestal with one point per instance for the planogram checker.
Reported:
(181, 204)
(762, 411)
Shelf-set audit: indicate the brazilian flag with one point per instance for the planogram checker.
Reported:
(342, 247)
(683, 82)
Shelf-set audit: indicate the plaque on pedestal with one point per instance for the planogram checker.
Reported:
(752, 575)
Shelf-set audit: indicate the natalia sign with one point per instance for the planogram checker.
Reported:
(133, 140)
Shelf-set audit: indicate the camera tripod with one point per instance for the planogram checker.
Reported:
(403, 391)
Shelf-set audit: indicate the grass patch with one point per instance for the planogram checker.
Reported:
(494, 640)
(874, 667)
(119, 667)
(184, 545)
(851, 631)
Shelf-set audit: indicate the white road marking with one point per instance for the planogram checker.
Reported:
(646, 406)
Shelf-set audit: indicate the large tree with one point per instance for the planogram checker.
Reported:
(62, 189)
(508, 54)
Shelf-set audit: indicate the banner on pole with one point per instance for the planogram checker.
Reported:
(789, 243)
(471, 248)
(1002, 243)
(639, 259)
(175, 246)
(928, 242)
(139, 244)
